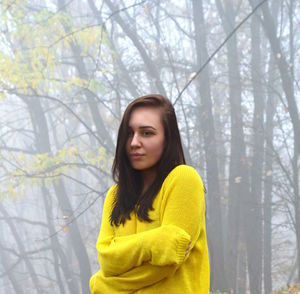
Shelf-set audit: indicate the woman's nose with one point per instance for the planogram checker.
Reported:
(135, 141)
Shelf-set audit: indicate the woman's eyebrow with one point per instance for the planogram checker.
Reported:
(147, 127)
(144, 127)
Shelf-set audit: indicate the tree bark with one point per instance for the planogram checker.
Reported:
(21, 249)
(214, 224)
(253, 209)
(285, 74)
(288, 88)
(39, 123)
(297, 206)
(268, 185)
(151, 67)
(9, 271)
(238, 171)
(242, 266)
(92, 104)
(125, 73)
(57, 250)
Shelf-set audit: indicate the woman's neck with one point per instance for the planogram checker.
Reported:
(148, 179)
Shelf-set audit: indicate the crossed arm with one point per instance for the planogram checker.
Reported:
(132, 262)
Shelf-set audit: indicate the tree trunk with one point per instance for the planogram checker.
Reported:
(57, 250)
(297, 206)
(288, 88)
(125, 73)
(242, 266)
(285, 74)
(238, 172)
(214, 224)
(39, 122)
(253, 209)
(268, 185)
(21, 249)
(9, 271)
(151, 67)
(296, 154)
(268, 178)
(92, 104)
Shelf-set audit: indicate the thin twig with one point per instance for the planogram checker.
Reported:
(218, 49)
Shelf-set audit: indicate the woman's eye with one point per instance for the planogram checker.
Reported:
(147, 133)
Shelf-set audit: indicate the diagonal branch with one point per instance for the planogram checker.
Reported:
(218, 49)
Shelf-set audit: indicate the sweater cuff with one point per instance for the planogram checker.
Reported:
(182, 246)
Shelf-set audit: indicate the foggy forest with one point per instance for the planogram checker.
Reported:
(68, 69)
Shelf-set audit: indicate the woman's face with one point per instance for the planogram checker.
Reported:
(146, 138)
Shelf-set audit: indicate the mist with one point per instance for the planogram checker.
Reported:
(68, 69)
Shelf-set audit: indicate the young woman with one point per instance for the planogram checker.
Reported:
(152, 237)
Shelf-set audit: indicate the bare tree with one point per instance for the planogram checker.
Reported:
(215, 232)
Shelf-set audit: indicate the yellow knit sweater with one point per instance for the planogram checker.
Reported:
(144, 258)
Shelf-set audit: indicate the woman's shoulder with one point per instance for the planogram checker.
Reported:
(183, 170)
(111, 195)
(112, 190)
(183, 173)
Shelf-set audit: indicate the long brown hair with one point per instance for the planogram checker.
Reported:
(129, 180)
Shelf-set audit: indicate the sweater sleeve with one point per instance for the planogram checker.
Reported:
(165, 245)
(145, 258)
(130, 281)
(137, 277)
(161, 246)
(183, 203)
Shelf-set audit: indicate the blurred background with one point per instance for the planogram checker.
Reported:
(67, 71)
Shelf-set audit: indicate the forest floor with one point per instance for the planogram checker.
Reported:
(295, 289)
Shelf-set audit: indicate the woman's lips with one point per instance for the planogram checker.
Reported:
(136, 156)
